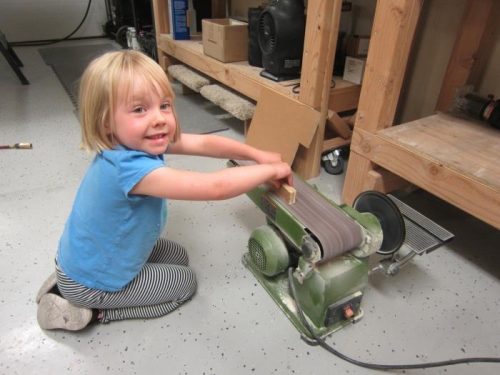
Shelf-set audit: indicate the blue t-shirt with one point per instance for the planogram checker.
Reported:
(110, 233)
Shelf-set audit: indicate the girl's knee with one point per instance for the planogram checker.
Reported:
(171, 252)
(191, 285)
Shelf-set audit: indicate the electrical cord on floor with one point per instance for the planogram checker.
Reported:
(374, 366)
(47, 42)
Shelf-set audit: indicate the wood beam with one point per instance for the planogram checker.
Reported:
(322, 29)
(392, 35)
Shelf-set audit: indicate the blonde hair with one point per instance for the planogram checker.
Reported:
(109, 78)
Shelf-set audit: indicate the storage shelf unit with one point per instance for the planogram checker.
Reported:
(246, 79)
(453, 158)
(319, 53)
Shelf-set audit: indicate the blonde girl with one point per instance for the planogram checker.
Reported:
(111, 262)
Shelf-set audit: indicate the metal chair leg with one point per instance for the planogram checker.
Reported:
(12, 59)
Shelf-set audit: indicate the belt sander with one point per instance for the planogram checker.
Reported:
(328, 248)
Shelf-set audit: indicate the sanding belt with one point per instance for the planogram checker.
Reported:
(335, 231)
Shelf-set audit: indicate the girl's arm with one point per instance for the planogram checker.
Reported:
(227, 183)
(221, 147)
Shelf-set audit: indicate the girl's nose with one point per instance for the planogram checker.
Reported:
(159, 118)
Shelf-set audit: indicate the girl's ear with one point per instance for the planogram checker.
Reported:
(107, 128)
(107, 123)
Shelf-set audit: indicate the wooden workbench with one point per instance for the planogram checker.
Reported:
(453, 158)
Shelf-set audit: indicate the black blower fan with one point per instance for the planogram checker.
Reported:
(282, 26)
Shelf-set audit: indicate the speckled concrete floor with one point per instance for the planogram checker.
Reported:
(441, 306)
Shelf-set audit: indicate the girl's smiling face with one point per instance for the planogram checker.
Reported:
(143, 119)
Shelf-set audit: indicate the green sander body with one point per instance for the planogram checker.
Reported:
(329, 287)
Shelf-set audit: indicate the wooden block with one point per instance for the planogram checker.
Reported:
(288, 193)
(334, 143)
(352, 119)
(335, 123)
(384, 181)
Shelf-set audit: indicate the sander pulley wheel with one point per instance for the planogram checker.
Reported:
(390, 218)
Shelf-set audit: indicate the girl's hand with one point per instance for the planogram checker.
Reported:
(284, 175)
(268, 157)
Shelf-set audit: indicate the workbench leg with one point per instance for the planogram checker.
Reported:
(369, 176)
(392, 34)
(320, 44)
(356, 180)
(163, 60)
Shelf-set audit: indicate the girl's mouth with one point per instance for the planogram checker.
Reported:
(156, 136)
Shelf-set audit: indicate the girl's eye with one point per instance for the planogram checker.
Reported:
(165, 106)
(138, 110)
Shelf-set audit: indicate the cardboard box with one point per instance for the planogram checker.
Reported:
(225, 39)
(357, 45)
(354, 69)
(178, 11)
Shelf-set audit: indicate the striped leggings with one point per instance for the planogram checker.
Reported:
(163, 284)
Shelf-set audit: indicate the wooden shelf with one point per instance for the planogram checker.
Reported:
(452, 157)
(464, 146)
(246, 79)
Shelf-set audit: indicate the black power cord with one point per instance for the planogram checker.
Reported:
(296, 88)
(374, 366)
(47, 42)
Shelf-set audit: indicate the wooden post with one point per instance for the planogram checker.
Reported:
(391, 39)
(322, 28)
(161, 20)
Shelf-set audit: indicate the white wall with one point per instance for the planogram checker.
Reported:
(23, 20)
